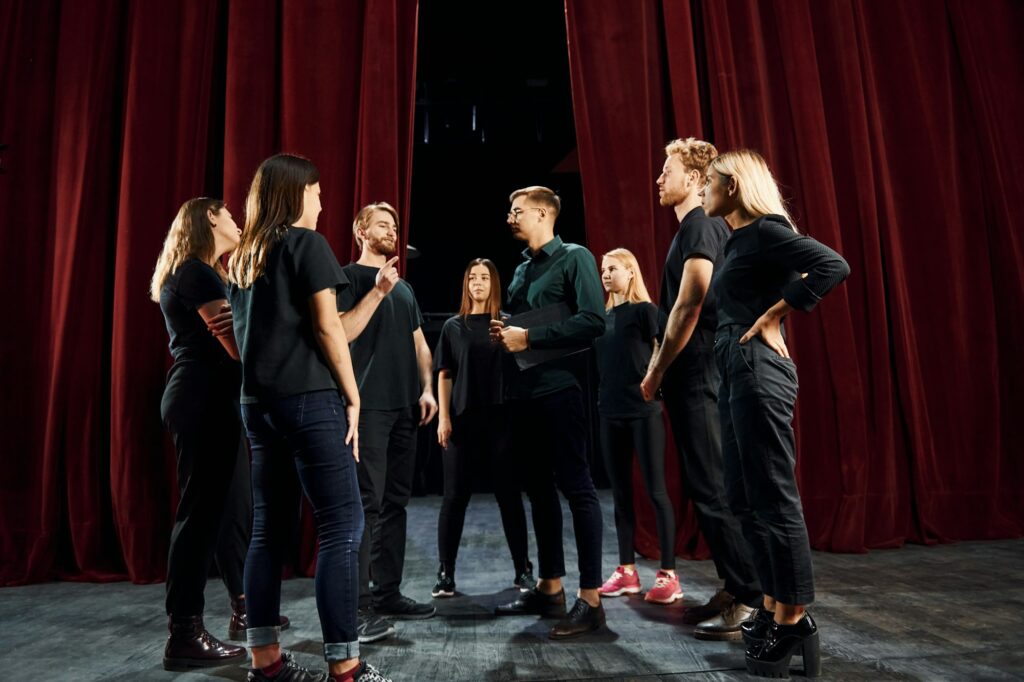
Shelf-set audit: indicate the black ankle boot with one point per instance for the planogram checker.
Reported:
(239, 622)
(771, 657)
(189, 646)
(755, 629)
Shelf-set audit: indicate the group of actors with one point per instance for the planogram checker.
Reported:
(327, 372)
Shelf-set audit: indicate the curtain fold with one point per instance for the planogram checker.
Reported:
(120, 108)
(889, 128)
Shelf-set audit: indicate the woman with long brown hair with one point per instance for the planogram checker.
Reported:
(473, 425)
(768, 270)
(300, 405)
(200, 410)
(629, 422)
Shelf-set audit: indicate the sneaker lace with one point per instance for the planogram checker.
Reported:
(662, 580)
(371, 674)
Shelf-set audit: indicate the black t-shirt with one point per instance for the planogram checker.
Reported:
(698, 237)
(623, 354)
(475, 362)
(384, 355)
(762, 265)
(274, 324)
(191, 285)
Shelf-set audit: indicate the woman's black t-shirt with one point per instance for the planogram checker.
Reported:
(623, 354)
(475, 362)
(191, 285)
(762, 265)
(274, 324)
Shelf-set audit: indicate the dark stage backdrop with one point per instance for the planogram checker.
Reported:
(893, 126)
(894, 129)
(115, 113)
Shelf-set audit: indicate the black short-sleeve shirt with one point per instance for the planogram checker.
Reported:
(191, 285)
(474, 361)
(274, 323)
(623, 354)
(698, 237)
(384, 354)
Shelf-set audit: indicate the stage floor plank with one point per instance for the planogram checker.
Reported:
(951, 612)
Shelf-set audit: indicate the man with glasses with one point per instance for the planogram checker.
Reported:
(558, 287)
(684, 367)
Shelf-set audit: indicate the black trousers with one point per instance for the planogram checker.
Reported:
(691, 400)
(550, 439)
(214, 515)
(619, 436)
(756, 402)
(387, 464)
(480, 443)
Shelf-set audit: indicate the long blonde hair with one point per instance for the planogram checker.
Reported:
(190, 236)
(636, 291)
(275, 201)
(758, 192)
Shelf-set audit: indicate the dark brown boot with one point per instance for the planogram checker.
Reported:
(191, 646)
(239, 620)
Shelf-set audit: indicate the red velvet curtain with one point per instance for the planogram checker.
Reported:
(892, 129)
(110, 110)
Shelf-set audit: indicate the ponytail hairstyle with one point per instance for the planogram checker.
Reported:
(636, 292)
(758, 192)
(275, 201)
(190, 236)
(493, 300)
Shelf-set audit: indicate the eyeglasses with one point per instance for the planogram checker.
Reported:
(516, 212)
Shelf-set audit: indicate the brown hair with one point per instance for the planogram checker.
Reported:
(539, 195)
(636, 292)
(275, 201)
(695, 154)
(190, 236)
(362, 220)
(493, 299)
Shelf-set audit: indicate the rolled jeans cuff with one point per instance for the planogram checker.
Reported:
(341, 651)
(262, 636)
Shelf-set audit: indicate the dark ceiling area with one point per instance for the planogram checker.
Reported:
(493, 114)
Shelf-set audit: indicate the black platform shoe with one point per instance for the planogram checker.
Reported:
(583, 618)
(756, 628)
(770, 658)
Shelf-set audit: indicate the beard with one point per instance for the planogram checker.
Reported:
(671, 198)
(384, 247)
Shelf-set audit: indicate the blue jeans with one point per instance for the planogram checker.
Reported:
(299, 441)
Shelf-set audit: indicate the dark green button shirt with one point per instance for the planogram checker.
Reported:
(557, 273)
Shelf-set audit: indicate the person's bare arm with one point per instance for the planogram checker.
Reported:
(444, 394)
(355, 320)
(215, 309)
(428, 405)
(330, 336)
(693, 287)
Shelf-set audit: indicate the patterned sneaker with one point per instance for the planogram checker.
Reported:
(621, 583)
(666, 589)
(367, 673)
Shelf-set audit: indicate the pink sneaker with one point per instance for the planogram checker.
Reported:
(620, 583)
(666, 589)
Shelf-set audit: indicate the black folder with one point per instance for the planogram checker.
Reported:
(538, 317)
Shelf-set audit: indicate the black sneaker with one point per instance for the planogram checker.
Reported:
(525, 580)
(372, 628)
(367, 673)
(291, 672)
(444, 587)
(403, 608)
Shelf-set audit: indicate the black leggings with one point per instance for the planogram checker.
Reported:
(619, 436)
(479, 443)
